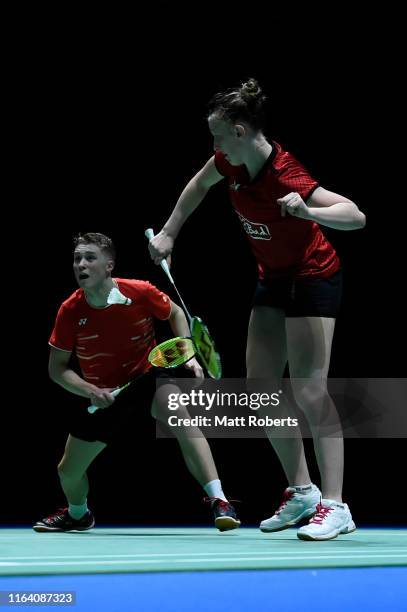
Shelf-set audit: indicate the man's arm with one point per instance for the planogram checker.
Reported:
(193, 194)
(60, 372)
(178, 321)
(180, 327)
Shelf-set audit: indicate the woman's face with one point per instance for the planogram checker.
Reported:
(226, 139)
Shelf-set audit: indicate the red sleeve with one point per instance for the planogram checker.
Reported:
(158, 303)
(63, 336)
(294, 177)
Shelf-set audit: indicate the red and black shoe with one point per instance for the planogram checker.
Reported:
(224, 513)
(61, 520)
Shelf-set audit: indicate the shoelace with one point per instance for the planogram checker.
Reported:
(321, 514)
(58, 514)
(286, 497)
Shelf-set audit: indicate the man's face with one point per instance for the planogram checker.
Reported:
(91, 266)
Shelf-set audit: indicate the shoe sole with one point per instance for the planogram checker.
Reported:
(226, 523)
(289, 524)
(45, 529)
(331, 536)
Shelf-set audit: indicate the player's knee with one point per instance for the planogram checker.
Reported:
(159, 411)
(67, 471)
(311, 396)
(162, 412)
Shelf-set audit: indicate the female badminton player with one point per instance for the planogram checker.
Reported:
(281, 209)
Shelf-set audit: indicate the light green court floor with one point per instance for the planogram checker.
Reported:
(155, 549)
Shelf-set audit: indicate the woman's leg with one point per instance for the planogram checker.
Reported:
(266, 358)
(309, 342)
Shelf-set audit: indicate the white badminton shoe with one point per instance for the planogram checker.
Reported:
(331, 519)
(296, 506)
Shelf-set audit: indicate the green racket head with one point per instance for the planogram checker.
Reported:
(205, 348)
(172, 353)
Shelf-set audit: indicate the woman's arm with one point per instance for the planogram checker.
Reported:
(193, 194)
(324, 207)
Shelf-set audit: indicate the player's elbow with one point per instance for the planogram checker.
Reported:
(357, 219)
(52, 373)
(360, 219)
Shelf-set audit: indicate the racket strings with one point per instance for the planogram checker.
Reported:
(205, 348)
(172, 353)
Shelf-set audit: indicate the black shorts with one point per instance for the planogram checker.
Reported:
(302, 297)
(129, 413)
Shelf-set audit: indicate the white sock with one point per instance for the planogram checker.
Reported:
(214, 489)
(332, 502)
(77, 512)
(303, 488)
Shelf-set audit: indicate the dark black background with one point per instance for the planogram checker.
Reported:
(109, 129)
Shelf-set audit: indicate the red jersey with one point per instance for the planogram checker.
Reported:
(112, 343)
(283, 246)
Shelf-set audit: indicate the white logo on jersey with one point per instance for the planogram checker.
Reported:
(257, 231)
(234, 185)
(82, 321)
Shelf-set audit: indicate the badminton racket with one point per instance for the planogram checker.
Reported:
(168, 354)
(204, 344)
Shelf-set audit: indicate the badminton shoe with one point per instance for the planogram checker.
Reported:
(331, 519)
(62, 521)
(224, 514)
(295, 507)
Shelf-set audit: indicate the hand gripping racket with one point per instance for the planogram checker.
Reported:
(168, 354)
(204, 344)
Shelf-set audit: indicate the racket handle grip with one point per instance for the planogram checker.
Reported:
(92, 409)
(149, 233)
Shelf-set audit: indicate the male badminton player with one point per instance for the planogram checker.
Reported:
(112, 343)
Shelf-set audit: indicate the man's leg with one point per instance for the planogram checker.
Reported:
(78, 455)
(198, 458)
